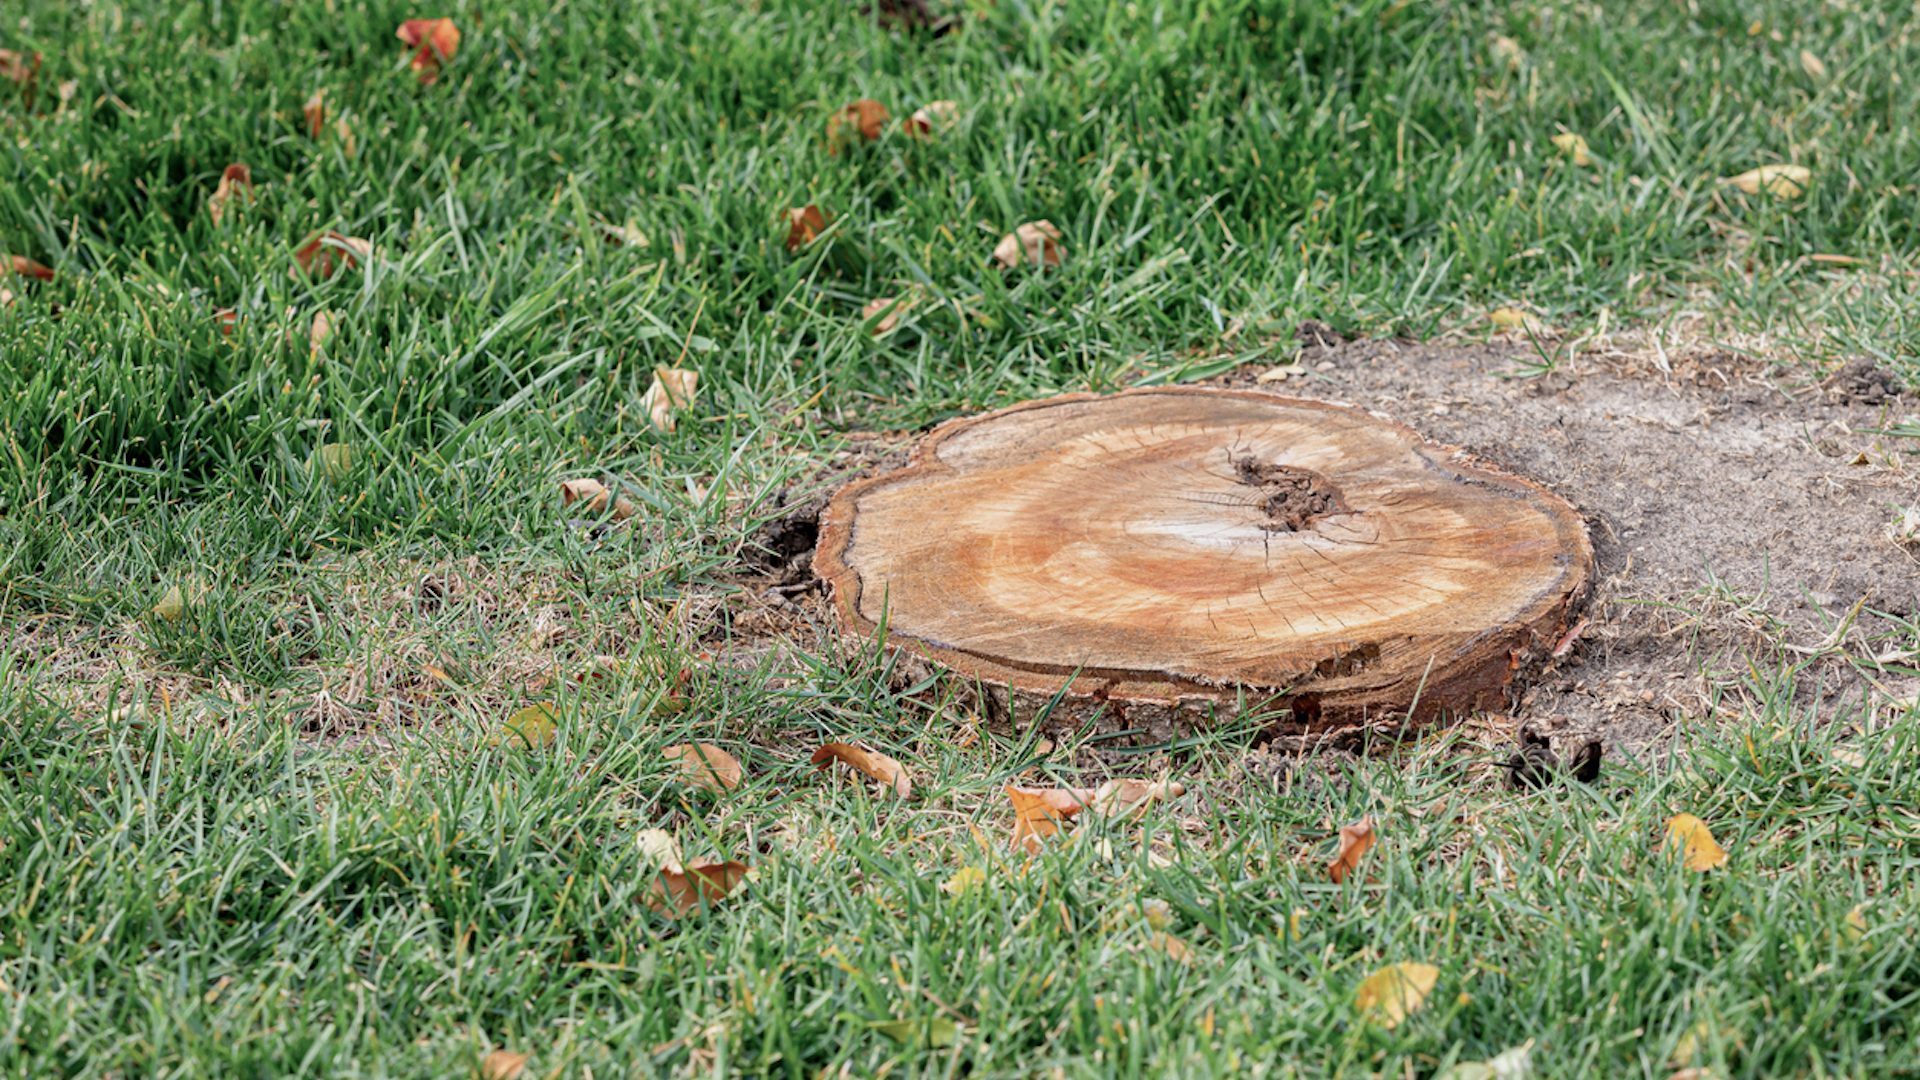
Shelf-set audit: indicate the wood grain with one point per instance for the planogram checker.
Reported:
(1198, 553)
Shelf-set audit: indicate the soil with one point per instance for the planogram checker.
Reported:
(1740, 519)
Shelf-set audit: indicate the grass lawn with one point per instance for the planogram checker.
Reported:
(274, 829)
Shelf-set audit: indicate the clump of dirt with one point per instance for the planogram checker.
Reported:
(1292, 498)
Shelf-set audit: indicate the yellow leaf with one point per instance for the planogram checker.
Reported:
(963, 880)
(333, 460)
(872, 762)
(1574, 147)
(1691, 1042)
(1355, 839)
(596, 496)
(673, 389)
(1812, 65)
(1036, 243)
(1780, 181)
(705, 765)
(533, 727)
(920, 1034)
(1695, 842)
(1295, 922)
(502, 1065)
(1395, 992)
(659, 847)
(1510, 318)
(1856, 922)
(172, 605)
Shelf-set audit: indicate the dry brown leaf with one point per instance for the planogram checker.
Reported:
(628, 235)
(679, 890)
(1176, 950)
(673, 389)
(1038, 812)
(804, 225)
(1119, 797)
(318, 334)
(1574, 147)
(858, 121)
(19, 68)
(935, 117)
(226, 318)
(1355, 839)
(596, 496)
(502, 1065)
(659, 848)
(322, 254)
(1814, 67)
(26, 267)
(6, 296)
(1780, 181)
(872, 762)
(236, 182)
(315, 110)
(1037, 243)
(704, 765)
(1695, 843)
(890, 310)
(437, 40)
(1395, 992)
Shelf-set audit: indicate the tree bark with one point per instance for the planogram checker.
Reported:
(1160, 562)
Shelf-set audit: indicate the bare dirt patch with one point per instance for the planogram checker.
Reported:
(1737, 513)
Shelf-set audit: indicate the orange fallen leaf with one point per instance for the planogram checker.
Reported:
(320, 255)
(235, 182)
(596, 496)
(804, 224)
(26, 267)
(226, 318)
(1038, 812)
(673, 389)
(1355, 839)
(1575, 147)
(321, 330)
(315, 110)
(932, 118)
(1119, 797)
(1037, 243)
(890, 309)
(872, 762)
(678, 890)
(1695, 842)
(861, 120)
(437, 40)
(705, 765)
(502, 1065)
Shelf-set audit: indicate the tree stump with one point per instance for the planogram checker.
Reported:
(1155, 562)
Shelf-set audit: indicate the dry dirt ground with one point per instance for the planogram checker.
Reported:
(1743, 515)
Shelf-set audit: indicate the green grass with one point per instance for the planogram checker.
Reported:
(1219, 170)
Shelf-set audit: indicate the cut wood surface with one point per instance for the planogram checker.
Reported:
(1206, 551)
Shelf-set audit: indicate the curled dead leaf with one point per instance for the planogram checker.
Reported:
(1780, 181)
(1815, 68)
(319, 332)
(678, 890)
(1574, 147)
(321, 255)
(859, 121)
(704, 765)
(1038, 812)
(875, 764)
(1120, 797)
(1690, 837)
(502, 1065)
(595, 496)
(1036, 243)
(933, 118)
(236, 182)
(1355, 839)
(437, 40)
(1395, 992)
(673, 389)
(804, 225)
(315, 112)
(890, 310)
(26, 267)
